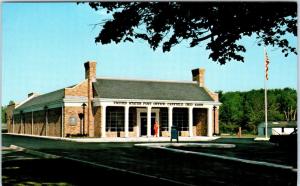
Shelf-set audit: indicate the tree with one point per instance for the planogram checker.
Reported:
(220, 25)
(246, 109)
(231, 110)
(3, 114)
(288, 104)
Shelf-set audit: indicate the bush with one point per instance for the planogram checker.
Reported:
(228, 128)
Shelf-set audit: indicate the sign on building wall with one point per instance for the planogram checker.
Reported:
(72, 120)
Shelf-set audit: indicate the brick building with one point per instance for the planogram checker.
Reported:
(102, 107)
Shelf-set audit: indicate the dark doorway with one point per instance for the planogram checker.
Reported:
(143, 116)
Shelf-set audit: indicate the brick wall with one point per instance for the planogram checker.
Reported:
(122, 133)
(97, 121)
(90, 70)
(165, 133)
(17, 124)
(215, 96)
(90, 74)
(54, 122)
(78, 127)
(35, 123)
(39, 123)
(80, 89)
(217, 121)
(199, 76)
(85, 89)
(27, 123)
(184, 133)
(9, 117)
(200, 122)
(133, 133)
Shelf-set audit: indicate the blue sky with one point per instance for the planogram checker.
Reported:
(45, 45)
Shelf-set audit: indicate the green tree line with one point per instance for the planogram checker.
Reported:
(3, 109)
(247, 109)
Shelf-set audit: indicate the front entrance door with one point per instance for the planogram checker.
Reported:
(143, 120)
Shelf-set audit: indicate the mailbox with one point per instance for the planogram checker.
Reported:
(174, 133)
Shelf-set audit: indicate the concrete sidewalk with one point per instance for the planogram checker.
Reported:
(120, 139)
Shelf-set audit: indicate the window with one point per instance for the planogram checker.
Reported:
(115, 119)
(131, 118)
(164, 119)
(180, 118)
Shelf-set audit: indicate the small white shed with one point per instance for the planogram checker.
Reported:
(277, 128)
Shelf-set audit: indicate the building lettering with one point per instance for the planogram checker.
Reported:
(120, 103)
(175, 104)
(158, 103)
(135, 103)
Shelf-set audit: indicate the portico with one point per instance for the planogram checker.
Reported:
(143, 113)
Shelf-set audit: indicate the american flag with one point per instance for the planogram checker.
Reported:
(267, 65)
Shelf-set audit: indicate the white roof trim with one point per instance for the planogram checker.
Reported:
(148, 100)
(29, 98)
(75, 100)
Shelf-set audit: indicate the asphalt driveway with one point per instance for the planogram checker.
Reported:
(179, 167)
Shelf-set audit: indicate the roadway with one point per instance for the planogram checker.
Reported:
(180, 168)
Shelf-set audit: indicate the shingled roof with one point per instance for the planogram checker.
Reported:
(150, 90)
(131, 89)
(43, 99)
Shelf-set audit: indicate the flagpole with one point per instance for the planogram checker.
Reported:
(266, 99)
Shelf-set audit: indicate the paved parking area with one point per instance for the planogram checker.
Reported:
(183, 168)
(24, 168)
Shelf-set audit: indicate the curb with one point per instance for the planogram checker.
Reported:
(33, 152)
(202, 145)
(116, 140)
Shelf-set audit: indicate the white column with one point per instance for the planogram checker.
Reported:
(103, 121)
(191, 121)
(138, 120)
(209, 122)
(126, 121)
(170, 118)
(148, 121)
